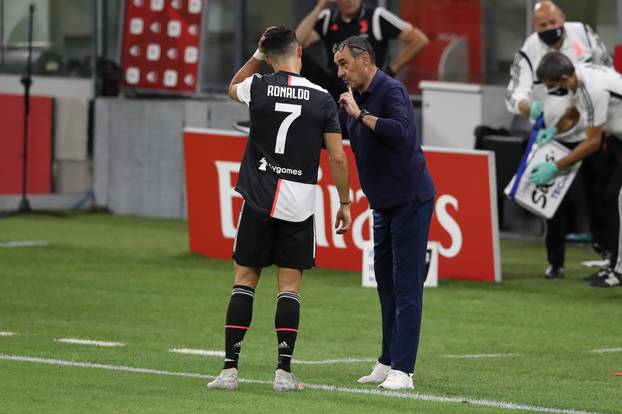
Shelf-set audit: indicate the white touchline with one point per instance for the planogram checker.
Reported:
(475, 356)
(89, 342)
(5, 333)
(205, 352)
(23, 243)
(202, 352)
(333, 361)
(331, 388)
(602, 351)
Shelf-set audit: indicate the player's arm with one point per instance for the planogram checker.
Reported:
(251, 67)
(413, 41)
(339, 170)
(305, 32)
(588, 146)
(239, 87)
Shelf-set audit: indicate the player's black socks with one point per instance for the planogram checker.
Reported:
(286, 322)
(239, 315)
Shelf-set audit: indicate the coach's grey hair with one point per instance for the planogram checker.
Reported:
(356, 45)
(553, 66)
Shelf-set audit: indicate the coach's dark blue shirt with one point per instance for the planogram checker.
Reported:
(389, 159)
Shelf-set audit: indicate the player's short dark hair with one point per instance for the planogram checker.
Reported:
(356, 45)
(279, 41)
(553, 66)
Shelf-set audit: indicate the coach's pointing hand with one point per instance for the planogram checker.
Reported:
(347, 102)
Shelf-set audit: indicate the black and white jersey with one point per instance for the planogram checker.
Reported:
(377, 24)
(289, 116)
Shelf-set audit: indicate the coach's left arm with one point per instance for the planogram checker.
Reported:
(395, 125)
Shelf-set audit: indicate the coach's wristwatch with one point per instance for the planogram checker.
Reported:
(362, 114)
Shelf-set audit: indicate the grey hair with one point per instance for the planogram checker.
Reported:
(357, 45)
(553, 66)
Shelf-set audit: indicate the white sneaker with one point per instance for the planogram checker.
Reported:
(286, 381)
(378, 374)
(227, 380)
(397, 380)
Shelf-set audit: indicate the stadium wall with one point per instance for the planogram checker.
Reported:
(138, 154)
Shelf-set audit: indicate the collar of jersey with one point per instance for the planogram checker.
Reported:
(379, 77)
(290, 73)
(354, 19)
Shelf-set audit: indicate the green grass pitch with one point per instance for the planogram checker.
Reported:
(133, 280)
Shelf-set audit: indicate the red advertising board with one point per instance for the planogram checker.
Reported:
(39, 144)
(161, 46)
(444, 22)
(464, 223)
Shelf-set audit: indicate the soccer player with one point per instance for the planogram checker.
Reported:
(292, 119)
(596, 91)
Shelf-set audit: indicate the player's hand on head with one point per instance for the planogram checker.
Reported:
(261, 39)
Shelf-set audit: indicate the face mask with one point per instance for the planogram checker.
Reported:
(557, 91)
(551, 36)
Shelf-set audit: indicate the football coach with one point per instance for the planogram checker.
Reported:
(377, 117)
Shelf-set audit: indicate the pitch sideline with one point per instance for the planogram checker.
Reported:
(330, 388)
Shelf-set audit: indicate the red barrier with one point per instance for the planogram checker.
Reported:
(161, 45)
(465, 221)
(617, 58)
(39, 144)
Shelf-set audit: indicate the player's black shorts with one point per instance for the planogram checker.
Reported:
(262, 241)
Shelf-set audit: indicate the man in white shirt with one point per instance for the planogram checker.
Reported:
(596, 92)
(552, 33)
(526, 96)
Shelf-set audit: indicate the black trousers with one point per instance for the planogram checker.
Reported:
(593, 177)
(613, 152)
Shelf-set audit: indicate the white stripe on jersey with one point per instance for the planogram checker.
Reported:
(324, 14)
(388, 16)
(237, 228)
(293, 201)
(300, 81)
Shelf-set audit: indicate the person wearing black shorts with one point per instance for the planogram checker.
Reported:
(292, 120)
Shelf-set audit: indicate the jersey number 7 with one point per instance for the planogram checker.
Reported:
(281, 136)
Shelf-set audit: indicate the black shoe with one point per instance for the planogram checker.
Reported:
(596, 276)
(554, 272)
(600, 249)
(612, 279)
(243, 126)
